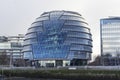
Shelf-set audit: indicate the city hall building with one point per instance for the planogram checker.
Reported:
(58, 38)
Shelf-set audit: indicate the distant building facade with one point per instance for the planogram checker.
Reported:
(12, 46)
(58, 38)
(110, 40)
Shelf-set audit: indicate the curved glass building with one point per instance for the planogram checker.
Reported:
(58, 38)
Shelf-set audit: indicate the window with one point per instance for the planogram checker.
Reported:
(36, 24)
(75, 28)
(66, 17)
(42, 18)
(76, 23)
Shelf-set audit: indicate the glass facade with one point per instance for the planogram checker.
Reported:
(11, 49)
(110, 37)
(58, 35)
(12, 45)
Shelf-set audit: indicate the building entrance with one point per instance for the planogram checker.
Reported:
(59, 63)
(78, 62)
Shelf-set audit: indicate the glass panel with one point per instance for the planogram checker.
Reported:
(42, 18)
(30, 41)
(77, 34)
(31, 35)
(72, 18)
(78, 41)
(45, 14)
(35, 29)
(75, 28)
(50, 51)
(5, 45)
(80, 47)
(15, 45)
(27, 48)
(70, 13)
(36, 24)
(76, 23)
(28, 55)
(55, 15)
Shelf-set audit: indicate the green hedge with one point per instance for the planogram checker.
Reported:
(65, 74)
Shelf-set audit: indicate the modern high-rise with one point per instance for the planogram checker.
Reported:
(58, 38)
(110, 40)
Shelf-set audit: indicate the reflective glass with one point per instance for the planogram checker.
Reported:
(58, 35)
(31, 35)
(76, 23)
(36, 24)
(28, 55)
(70, 13)
(35, 29)
(30, 41)
(78, 41)
(72, 18)
(5, 45)
(77, 34)
(27, 48)
(42, 18)
(75, 28)
(80, 47)
(110, 29)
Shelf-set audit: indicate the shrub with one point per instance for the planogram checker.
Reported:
(65, 74)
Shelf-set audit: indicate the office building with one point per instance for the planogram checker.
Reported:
(110, 40)
(12, 46)
(58, 38)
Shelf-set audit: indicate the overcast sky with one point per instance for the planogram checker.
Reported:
(17, 15)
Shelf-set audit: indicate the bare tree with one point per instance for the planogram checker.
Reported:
(96, 62)
(4, 59)
(19, 62)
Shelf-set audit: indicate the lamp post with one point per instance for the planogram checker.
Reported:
(11, 56)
